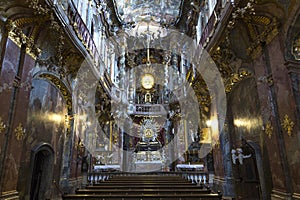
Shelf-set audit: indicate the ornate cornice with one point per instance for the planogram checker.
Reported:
(236, 78)
(17, 36)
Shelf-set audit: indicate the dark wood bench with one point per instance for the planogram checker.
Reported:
(144, 191)
(143, 183)
(142, 186)
(145, 180)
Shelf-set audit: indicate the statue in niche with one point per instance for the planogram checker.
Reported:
(147, 97)
(296, 48)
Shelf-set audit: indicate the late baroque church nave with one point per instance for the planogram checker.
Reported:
(150, 99)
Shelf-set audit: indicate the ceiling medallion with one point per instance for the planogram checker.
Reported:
(288, 125)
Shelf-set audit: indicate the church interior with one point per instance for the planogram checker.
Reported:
(150, 99)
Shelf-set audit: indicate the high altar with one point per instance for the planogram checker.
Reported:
(148, 155)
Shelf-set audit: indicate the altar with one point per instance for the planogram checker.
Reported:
(148, 161)
(148, 166)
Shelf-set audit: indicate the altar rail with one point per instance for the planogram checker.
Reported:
(200, 178)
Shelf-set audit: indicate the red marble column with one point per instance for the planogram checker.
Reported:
(286, 106)
(276, 101)
(16, 67)
(9, 70)
(294, 72)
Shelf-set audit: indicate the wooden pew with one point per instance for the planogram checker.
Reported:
(143, 191)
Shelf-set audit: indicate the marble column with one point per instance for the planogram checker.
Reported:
(273, 85)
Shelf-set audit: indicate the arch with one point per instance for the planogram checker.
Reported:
(260, 168)
(61, 85)
(41, 171)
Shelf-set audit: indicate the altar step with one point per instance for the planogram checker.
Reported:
(140, 187)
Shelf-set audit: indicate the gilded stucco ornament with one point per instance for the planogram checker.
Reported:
(2, 125)
(65, 91)
(68, 123)
(269, 129)
(269, 33)
(38, 8)
(18, 37)
(20, 132)
(288, 125)
(241, 12)
(296, 49)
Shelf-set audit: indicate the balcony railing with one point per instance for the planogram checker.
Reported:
(82, 32)
(210, 26)
(151, 109)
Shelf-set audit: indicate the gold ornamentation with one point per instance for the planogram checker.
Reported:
(267, 36)
(38, 8)
(269, 129)
(65, 91)
(68, 119)
(2, 125)
(288, 125)
(147, 81)
(20, 132)
(241, 12)
(19, 38)
(263, 20)
(296, 49)
(79, 145)
(115, 137)
(235, 78)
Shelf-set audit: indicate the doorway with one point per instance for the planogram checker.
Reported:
(248, 178)
(42, 170)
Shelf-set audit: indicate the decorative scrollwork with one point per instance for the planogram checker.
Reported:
(16, 35)
(38, 8)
